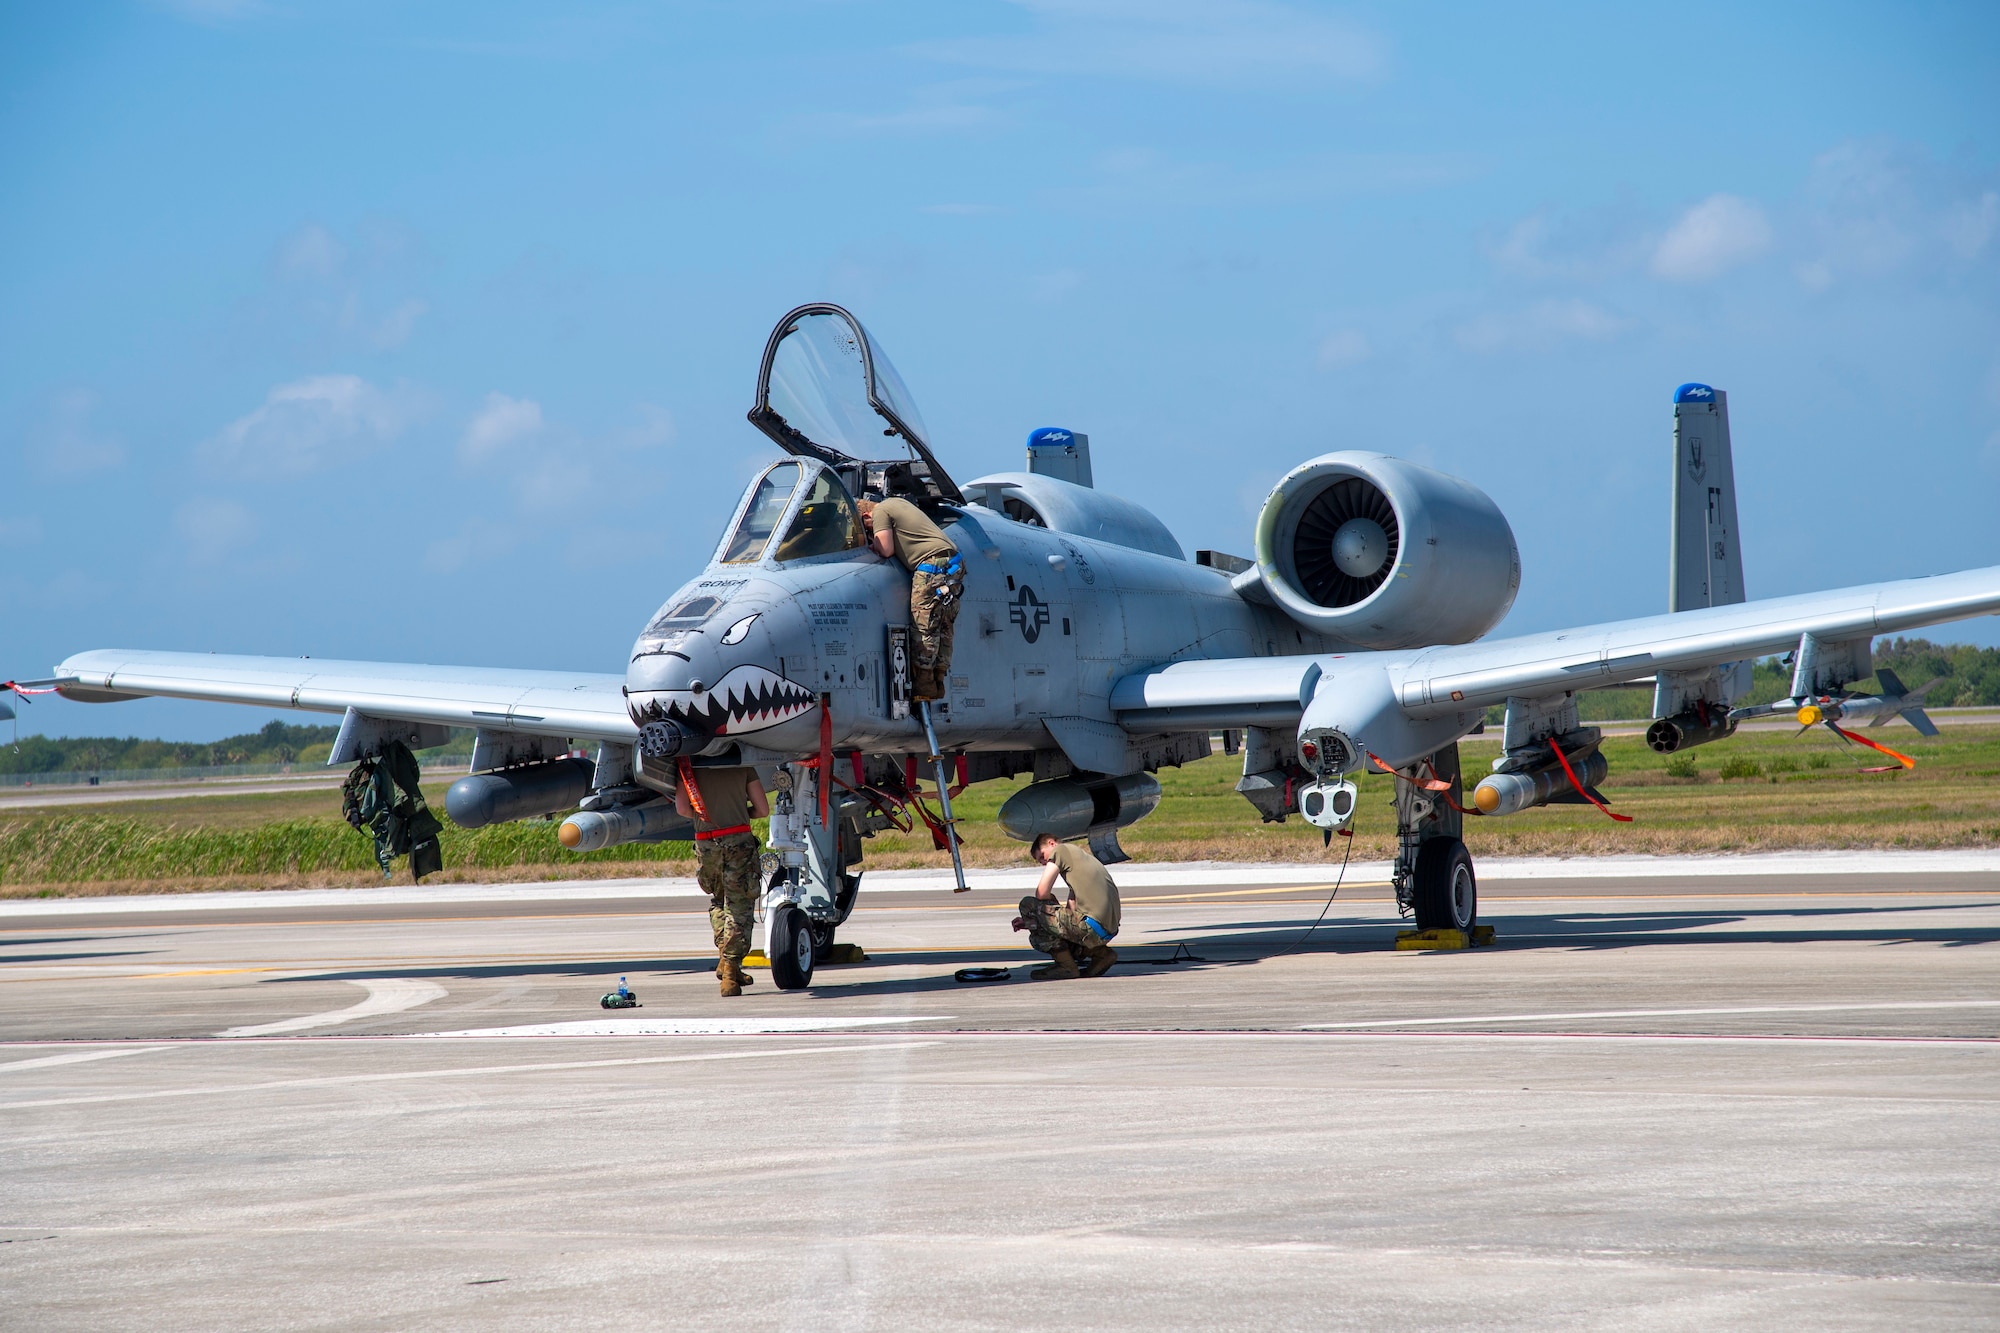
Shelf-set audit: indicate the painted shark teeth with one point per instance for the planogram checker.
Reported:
(748, 698)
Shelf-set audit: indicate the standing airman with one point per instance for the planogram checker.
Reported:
(722, 802)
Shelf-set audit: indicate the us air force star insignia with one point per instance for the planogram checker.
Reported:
(1029, 612)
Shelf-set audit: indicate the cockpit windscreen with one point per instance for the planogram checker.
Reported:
(760, 518)
(827, 522)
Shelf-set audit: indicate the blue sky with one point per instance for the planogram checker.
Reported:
(426, 332)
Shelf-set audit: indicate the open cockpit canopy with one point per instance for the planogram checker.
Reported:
(827, 391)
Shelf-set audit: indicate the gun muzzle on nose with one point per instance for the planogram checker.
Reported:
(670, 738)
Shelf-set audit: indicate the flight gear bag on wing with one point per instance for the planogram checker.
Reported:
(382, 796)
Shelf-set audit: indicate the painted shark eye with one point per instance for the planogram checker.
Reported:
(735, 633)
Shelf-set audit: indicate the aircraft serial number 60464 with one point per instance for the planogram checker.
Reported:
(1090, 653)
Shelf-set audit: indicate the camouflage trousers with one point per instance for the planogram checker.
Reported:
(726, 869)
(934, 618)
(1052, 926)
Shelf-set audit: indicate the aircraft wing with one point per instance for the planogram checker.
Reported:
(544, 703)
(1432, 681)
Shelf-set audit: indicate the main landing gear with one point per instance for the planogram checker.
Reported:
(1434, 877)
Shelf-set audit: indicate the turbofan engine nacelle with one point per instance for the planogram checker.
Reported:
(1381, 553)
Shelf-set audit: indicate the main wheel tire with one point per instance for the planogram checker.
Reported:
(1446, 893)
(792, 951)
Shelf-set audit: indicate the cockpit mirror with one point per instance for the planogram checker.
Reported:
(827, 390)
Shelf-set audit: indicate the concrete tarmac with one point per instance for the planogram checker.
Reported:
(1657, 1102)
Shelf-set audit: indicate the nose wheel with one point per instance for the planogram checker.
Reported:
(793, 950)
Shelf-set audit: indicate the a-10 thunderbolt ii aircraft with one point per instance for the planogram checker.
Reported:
(1091, 651)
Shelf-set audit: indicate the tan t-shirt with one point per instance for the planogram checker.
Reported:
(918, 540)
(1090, 882)
(726, 794)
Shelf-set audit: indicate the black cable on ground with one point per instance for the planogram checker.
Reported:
(1338, 880)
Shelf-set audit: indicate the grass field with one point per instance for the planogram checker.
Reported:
(1952, 799)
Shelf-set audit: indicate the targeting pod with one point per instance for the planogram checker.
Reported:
(1328, 804)
(1684, 731)
(1070, 809)
(1511, 793)
(518, 793)
(594, 830)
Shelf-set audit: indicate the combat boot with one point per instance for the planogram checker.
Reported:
(1061, 967)
(731, 969)
(1101, 956)
(924, 685)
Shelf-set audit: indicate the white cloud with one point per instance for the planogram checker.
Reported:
(323, 282)
(1711, 238)
(652, 428)
(1344, 348)
(65, 443)
(307, 425)
(549, 465)
(311, 252)
(1541, 325)
(478, 540)
(212, 528)
(1231, 42)
(1587, 245)
(396, 327)
(1971, 224)
(500, 423)
(1874, 207)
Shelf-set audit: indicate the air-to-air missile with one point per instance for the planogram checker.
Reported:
(1875, 709)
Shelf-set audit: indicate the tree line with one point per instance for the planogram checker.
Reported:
(276, 743)
(1971, 679)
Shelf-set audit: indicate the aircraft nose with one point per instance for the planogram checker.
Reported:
(657, 680)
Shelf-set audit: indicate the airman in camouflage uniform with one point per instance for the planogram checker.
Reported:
(1081, 927)
(898, 530)
(934, 615)
(721, 802)
(1053, 926)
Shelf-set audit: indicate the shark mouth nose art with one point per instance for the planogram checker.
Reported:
(747, 698)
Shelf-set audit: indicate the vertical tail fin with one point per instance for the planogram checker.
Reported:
(1705, 567)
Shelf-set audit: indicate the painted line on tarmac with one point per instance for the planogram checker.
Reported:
(344, 1080)
(1168, 875)
(1655, 1013)
(680, 1027)
(390, 996)
(78, 1057)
